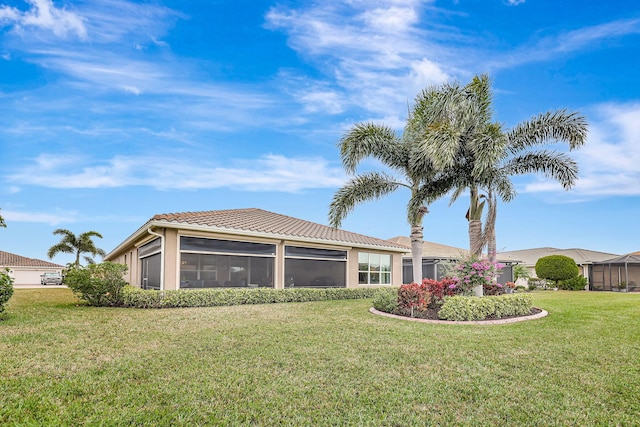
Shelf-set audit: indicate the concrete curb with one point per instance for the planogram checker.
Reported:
(540, 315)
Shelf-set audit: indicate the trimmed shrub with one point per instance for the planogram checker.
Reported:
(557, 268)
(386, 299)
(463, 308)
(6, 288)
(98, 284)
(140, 298)
(576, 284)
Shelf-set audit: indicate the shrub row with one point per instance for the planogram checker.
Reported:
(489, 307)
(140, 298)
(6, 289)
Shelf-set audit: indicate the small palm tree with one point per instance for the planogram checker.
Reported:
(2, 223)
(459, 134)
(368, 140)
(78, 245)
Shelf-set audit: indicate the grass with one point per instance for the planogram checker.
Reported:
(320, 363)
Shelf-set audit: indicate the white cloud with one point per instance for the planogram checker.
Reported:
(558, 45)
(44, 15)
(376, 54)
(515, 2)
(40, 217)
(268, 173)
(609, 160)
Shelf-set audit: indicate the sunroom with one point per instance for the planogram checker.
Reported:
(250, 248)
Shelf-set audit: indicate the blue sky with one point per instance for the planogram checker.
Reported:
(112, 111)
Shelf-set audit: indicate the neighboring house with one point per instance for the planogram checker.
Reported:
(617, 274)
(437, 257)
(26, 271)
(253, 248)
(584, 258)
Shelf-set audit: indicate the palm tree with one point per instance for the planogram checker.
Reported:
(2, 223)
(459, 133)
(369, 140)
(72, 244)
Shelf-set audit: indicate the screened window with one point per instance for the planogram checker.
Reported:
(150, 248)
(199, 269)
(315, 267)
(197, 244)
(374, 269)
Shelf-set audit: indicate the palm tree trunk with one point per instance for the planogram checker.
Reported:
(490, 228)
(416, 252)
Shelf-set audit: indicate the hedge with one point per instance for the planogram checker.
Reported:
(140, 298)
(489, 307)
(6, 289)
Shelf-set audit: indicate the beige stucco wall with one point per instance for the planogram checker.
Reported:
(171, 257)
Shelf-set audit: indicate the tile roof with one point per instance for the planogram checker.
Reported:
(433, 250)
(580, 256)
(8, 259)
(269, 223)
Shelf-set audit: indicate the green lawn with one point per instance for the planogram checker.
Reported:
(320, 363)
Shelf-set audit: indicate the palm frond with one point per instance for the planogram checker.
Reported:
(371, 140)
(359, 189)
(560, 126)
(552, 164)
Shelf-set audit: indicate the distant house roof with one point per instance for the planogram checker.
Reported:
(258, 222)
(8, 259)
(431, 249)
(632, 258)
(580, 256)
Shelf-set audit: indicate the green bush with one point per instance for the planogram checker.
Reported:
(463, 308)
(386, 299)
(6, 288)
(576, 284)
(140, 298)
(98, 284)
(557, 268)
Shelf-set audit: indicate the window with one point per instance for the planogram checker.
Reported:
(204, 263)
(150, 255)
(374, 269)
(314, 267)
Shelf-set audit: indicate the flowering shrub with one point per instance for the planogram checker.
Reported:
(473, 272)
(440, 289)
(413, 297)
(493, 289)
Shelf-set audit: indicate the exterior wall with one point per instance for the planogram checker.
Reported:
(30, 275)
(171, 262)
(352, 267)
(171, 257)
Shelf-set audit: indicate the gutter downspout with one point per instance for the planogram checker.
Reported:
(161, 236)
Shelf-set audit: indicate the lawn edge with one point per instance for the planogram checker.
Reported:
(540, 315)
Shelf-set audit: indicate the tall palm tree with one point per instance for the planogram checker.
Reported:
(78, 245)
(459, 133)
(369, 140)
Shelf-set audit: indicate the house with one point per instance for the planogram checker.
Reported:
(584, 258)
(616, 274)
(253, 248)
(26, 271)
(436, 258)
